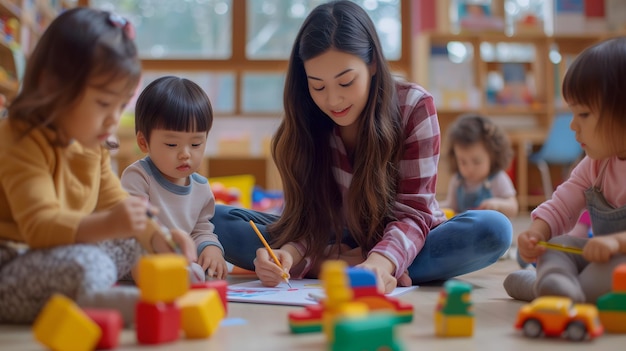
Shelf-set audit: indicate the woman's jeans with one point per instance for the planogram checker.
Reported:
(466, 243)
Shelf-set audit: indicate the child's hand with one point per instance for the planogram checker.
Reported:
(527, 245)
(489, 204)
(182, 240)
(382, 268)
(212, 262)
(599, 249)
(267, 270)
(128, 217)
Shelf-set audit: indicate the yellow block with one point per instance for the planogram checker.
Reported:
(336, 283)
(453, 326)
(62, 325)
(162, 278)
(201, 313)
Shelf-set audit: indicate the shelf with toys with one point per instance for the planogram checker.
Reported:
(506, 59)
(9, 47)
(21, 24)
(513, 79)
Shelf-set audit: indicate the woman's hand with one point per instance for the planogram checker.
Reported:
(268, 271)
(182, 241)
(382, 268)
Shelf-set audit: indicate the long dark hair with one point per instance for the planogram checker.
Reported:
(301, 146)
(81, 47)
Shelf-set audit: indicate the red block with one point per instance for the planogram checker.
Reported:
(110, 322)
(157, 323)
(220, 285)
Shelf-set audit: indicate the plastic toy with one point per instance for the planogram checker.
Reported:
(110, 323)
(62, 325)
(162, 278)
(371, 333)
(612, 306)
(344, 284)
(221, 286)
(201, 312)
(157, 323)
(233, 190)
(448, 212)
(453, 314)
(270, 201)
(554, 316)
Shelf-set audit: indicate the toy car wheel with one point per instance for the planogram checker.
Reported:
(532, 328)
(576, 331)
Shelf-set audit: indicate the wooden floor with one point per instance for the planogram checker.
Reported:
(264, 327)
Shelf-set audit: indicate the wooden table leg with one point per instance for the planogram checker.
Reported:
(522, 174)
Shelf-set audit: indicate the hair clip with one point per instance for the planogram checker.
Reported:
(121, 22)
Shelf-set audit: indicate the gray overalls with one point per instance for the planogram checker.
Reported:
(589, 280)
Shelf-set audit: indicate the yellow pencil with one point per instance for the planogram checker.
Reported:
(558, 247)
(270, 251)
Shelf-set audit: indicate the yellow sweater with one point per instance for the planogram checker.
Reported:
(46, 189)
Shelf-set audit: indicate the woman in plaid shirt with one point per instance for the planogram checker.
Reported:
(357, 152)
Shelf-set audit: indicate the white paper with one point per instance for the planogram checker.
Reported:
(303, 292)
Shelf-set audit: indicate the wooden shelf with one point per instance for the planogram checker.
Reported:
(31, 23)
(541, 79)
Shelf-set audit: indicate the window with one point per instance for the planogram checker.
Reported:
(237, 50)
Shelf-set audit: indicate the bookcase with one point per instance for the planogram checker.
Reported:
(514, 80)
(21, 24)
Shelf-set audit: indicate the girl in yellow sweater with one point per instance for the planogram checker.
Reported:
(66, 224)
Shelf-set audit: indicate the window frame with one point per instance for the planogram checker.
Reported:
(239, 64)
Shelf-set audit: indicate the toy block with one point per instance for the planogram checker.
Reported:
(162, 278)
(453, 315)
(360, 277)
(612, 306)
(308, 320)
(366, 292)
(62, 325)
(348, 310)
(619, 278)
(335, 283)
(201, 312)
(110, 323)
(370, 333)
(157, 323)
(222, 289)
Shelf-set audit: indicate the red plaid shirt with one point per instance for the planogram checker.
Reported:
(416, 208)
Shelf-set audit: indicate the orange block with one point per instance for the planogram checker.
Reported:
(619, 278)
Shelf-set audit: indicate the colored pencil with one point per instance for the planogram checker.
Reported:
(563, 248)
(270, 251)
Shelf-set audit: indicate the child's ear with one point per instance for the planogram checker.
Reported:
(142, 142)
